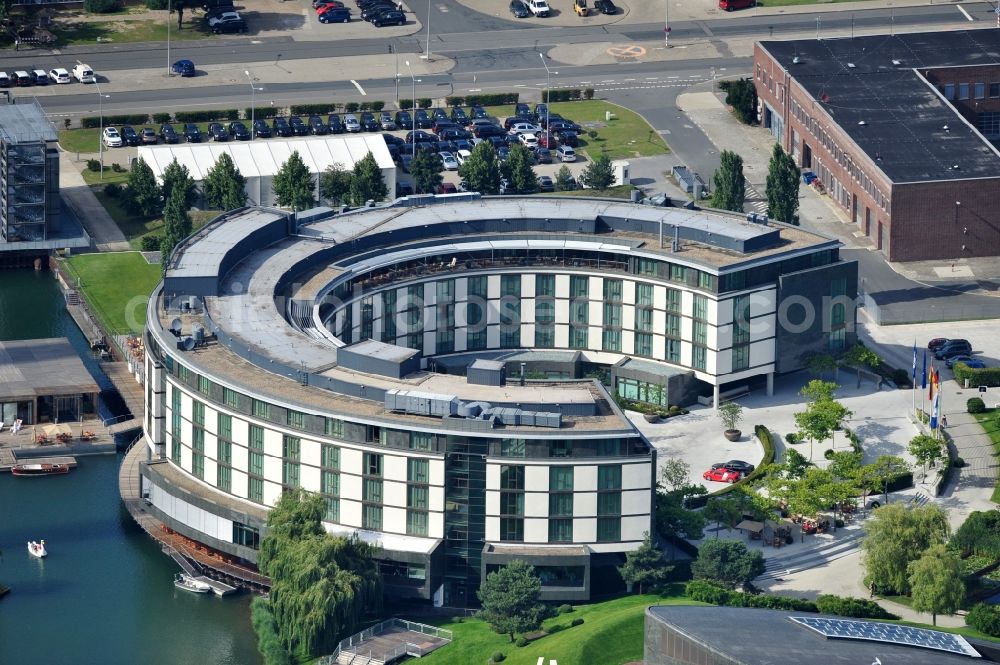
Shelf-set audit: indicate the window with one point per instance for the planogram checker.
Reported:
(255, 489)
(561, 504)
(512, 477)
(224, 454)
(510, 336)
(644, 294)
(256, 463)
(183, 373)
(545, 336)
(705, 280)
(198, 411)
(644, 320)
(643, 344)
(256, 437)
(608, 448)
(979, 91)
(609, 529)
(609, 503)
(673, 328)
(371, 518)
(330, 486)
(225, 427)
(417, 470)
(609, 477)
(673, 303)
(963, 90)
(545, 285)
(373, 464)
(371, 490)
(421, 441)
(295, 419)
(246, 536)
(994, 90)
(579, 286)
(416, 523)
(261, 409)
(329, 457)
(290, 474)
(612, 315)
(332, 510)
(204, 385)
(417, 497)
(224, 478)
(699, 332)
(560, 479)
(700, 307)
(512, 448)
(545, 311)
(672, 351)
(678, 273)
(510, 285)
(699, 358)
(511, 503)
(560, 448)
(389, 316)
(290, 446)
(611, 340)
(579, 312)
(511, 528)
(334, 427)
(646, 266)
(477, 287)
(198, 452)
(175, 450)
(578, 337)
(560, 531)
(612, 290)
(741, 357)
(446, 290)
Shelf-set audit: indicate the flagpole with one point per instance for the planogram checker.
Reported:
(913, 379)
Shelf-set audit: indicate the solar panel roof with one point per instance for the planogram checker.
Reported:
(872, 631)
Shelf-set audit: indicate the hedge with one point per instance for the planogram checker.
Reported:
(260, 112)
(161, 118)
(110, 120)
(901, 482)
(764, 436)
(984, 618)
(858, 608)
(312, 109)
(101, 6)
(708, 592)
(975, 405)
(491, 99)
(206, 115)
(988, 376)
(979, 534)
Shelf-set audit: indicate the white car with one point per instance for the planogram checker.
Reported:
(528, 140)
(463, 155)
(524, 128)
(59, 75)
(566, 154)
(84, 74)
(351, 123)
(449, 161)
(112, 138)
(224, 17)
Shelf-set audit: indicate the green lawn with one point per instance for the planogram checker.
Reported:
(612, 633)
(626, 135)
(94, 177)
(990, 424)
(116, 286)
(125, 31)
(88, 140)
(135, 227)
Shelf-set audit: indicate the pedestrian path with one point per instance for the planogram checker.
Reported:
(776, 567)
(78, 196)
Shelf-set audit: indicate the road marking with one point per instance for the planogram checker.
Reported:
(964, 13)
(652, 78)
(626, 51)
(358, 86)
(474, 90)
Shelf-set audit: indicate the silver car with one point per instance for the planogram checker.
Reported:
(449, 161)
(351, 123)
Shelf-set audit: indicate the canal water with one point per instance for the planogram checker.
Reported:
(105, 593)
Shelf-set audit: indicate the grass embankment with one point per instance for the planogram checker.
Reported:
(988, 420)
(626, 135)
(135, 227)
(116, 286)
(612, 633)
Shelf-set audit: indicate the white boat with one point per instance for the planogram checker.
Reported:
(188, 583)
(37, 549)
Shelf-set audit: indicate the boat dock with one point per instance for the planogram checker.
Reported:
(131, 392)
(218, 588)
(9, 459)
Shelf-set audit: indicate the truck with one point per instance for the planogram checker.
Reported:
(538, 7)
(84, 74)
(580, 7)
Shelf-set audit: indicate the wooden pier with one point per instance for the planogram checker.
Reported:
(130, 390)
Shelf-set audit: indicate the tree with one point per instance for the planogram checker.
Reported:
(795, 463)
(936, 582)
(674, 521)
(926, 450)
(845, 465)
(730, 185)
(882, 471)
(176, 223)
(143, 191)
(178, 6)
(816, 390)
(367, 183)
(722, 510)
(598, 174)
(481, 170)
(821, 363)
(518, 170)
(293, 184)
(823, 414)
(426, 170)
(5, 6)
(783, 187)
(859, 355)
(731, 413)
(675, 474)
(510, 599)
(321, 585)
(895, 536)
(224, 185)
(645, 566)
(564, 180)
(177, 175)
(727, 562)
(741, 94)
(335, 183)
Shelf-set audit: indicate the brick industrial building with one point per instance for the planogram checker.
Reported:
(900, 130)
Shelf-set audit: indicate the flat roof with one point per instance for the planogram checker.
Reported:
(201, 255)
(751, 635)
(25, 123)
(40, 367)
(891, 111)
(372, 348)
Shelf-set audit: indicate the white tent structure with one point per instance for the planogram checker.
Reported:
(259, 160)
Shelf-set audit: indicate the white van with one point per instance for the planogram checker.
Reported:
(538, 7)
(84, 74)
(5, 81)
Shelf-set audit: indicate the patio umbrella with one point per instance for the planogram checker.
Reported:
(55, 430)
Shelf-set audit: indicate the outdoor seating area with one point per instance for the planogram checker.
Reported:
(769, 532)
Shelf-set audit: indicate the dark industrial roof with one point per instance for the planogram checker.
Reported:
(888, 108)
(757, 636)
(40, 367)
(25, 123)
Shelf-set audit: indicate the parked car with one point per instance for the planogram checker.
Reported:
(84, 74)
(541, 110)
(317, 125)
(936, 343)
(404, 120)
(524, 128)
(183, 68)
(149, 136)
(391, 17)
(386, 122)
(953, 347)
(463, 144)
(605, 7)
(547, 140)
(446, 188)
(462, 155)
(192, 133)
(721, 475)
(23, 79)
(39, 77)
(566, 154)
(335, 15)
(950, 362)
(392, 139)
(280, 127)
(423, 120)
(545, 184)
(543, 156)
(485, 131)
(130, 136)
(371, 10)
(530, 141)
(59, 75)
(335, 124)
(230, 26)
(111, 138)
(449, 161)
(404, 161)
(446, 146)
(5, 80)
(418, 136)
(261, 130)
(322, 5)
(167, 133)
(239, 131)
(214, 18)
(479, 113)
(736, 465)
(458, 116)
(452, 134)
(369, 123)
(351, 123)
(299, 128)
(503, 152)
(218, 132)
(568, 137)
(973, 363)
(730, 5)
(511, 120)
(519, 9)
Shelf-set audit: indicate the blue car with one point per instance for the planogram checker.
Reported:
(183, 67)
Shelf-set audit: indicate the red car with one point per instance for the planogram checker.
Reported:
(721, 475)
(936, 343)
(446, 188)
(327, 5)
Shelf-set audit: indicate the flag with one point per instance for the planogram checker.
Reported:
(923, 375)
(934, 412)
(913, 375)
(933, 382)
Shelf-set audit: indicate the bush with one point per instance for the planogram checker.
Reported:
(707, 592)
(588, 93)
(521, 641)
(351, 107)
(958, 463)
(307, 109)
(828, 453)
(260, 112)
(565, 609)
(984, 618)
(93, 165)
(988, 376)
(425, 102)
(577, 622)
(851, 607)
(975, 405)
(497, 657)
(102, 6)
(458, 619)
(116, 167)
(405, 104)
(979, 534)
(793, 438)
(490, 99)
(111, 120)
(555, 629)
(156, 4)
(160, 118)
(378, 106)
(151, 243)
(207, 114)
(113, 189)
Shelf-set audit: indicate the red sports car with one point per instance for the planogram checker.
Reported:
(721, 475)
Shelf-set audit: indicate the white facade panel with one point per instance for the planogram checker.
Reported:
(536, 531)
(492, 529)
(394, 467)
(584, 504)
(635, 476)
(350, 511)
(584, 530)
(309, 478)
(536, 504)
(492, 502)
(761, 353)
(634, 528)
(394, 520)
(393, 493)
(585, 478)
(536, 478)
(636, 502)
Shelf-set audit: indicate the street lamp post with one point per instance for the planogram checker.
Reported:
(666, 25)
(100, 137)
(548, 75)
(168, 37)
(253, 107)
(413, 114)
(427, 55)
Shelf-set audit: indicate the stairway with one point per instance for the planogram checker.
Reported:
(73, 298)
(776, 567)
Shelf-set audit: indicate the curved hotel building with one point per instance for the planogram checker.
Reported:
(442, 371)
